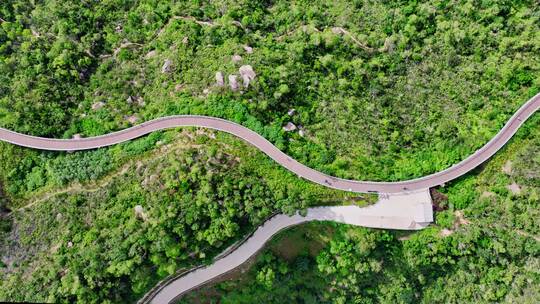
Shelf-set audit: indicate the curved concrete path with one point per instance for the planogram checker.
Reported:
(403, 205)
(439, 178)
(411, 211)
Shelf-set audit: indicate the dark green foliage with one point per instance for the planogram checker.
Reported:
(80, 166)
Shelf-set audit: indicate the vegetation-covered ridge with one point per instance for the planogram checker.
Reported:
(367, 90)
(483, 248)
(173, 207)
(253, 138)
(372, 90)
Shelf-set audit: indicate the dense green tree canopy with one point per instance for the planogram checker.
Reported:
(378, 90)
(381, 90)
(484, 247)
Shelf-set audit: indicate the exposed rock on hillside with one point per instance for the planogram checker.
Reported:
(289, 127)
(167, 66)
(219, 79)
(233, 83)
(97, 105)
(248, 49)
(236, 58)
(247, 74)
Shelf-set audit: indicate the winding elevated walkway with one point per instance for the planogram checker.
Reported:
(439, 178)
(402, 205)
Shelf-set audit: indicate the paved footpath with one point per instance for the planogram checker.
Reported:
(411, 211)
(436, 179)
(402, 205)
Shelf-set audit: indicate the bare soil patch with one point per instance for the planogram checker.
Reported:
(507, 167)
(440, 200)
(514, 188)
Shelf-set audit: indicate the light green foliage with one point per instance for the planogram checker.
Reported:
(81, 166)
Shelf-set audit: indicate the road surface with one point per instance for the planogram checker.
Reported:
(411, 211)
(436, 179)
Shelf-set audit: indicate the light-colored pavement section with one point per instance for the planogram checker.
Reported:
(283, 159)
(411, 211)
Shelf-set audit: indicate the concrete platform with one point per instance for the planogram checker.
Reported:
(404, 211)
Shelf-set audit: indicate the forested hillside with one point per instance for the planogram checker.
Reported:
(378, 90)
(375, 90)
(95, 237)
(483, 248)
